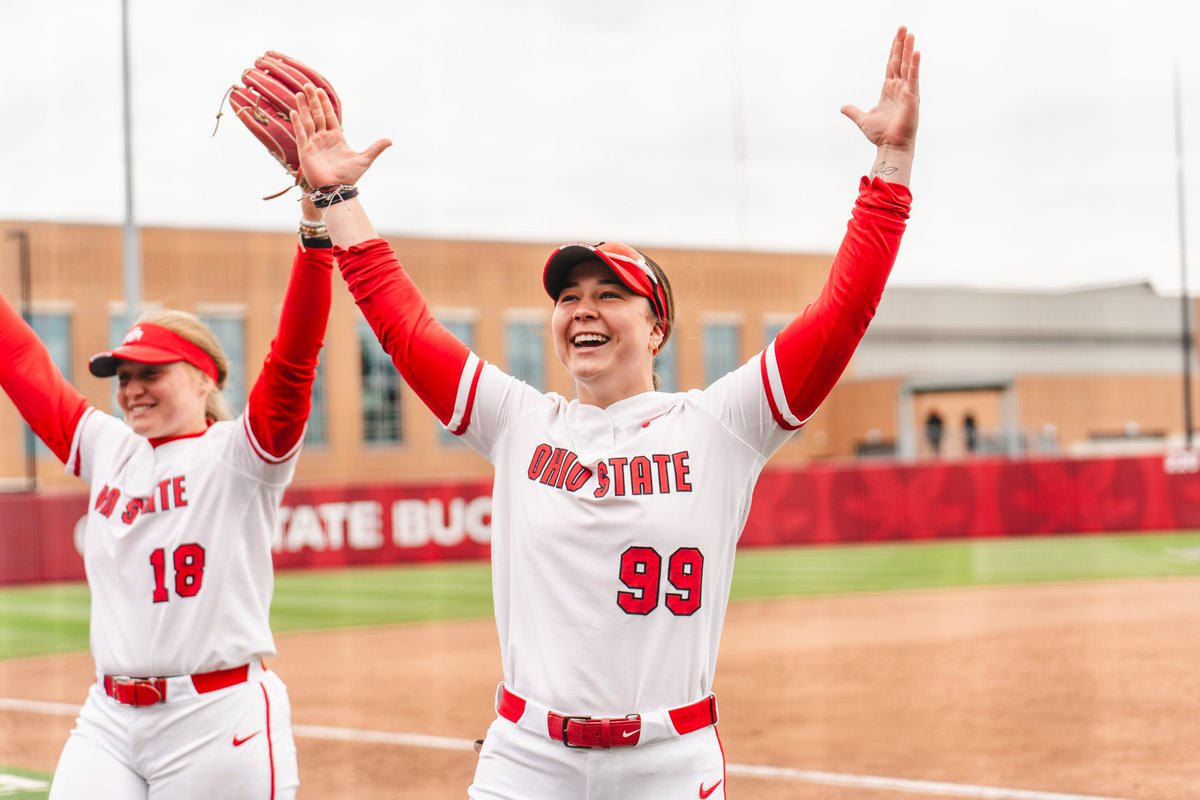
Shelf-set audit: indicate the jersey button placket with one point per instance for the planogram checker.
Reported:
(595, 433)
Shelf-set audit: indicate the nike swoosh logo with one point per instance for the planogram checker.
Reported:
(627, 734)
(704, 793)
(239, 742)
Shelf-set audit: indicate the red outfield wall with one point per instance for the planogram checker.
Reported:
(333, 526)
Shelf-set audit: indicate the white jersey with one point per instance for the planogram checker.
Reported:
(614, 532)
(177, 546)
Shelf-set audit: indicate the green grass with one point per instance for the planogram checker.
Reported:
(317, 599)
(9, 793)
(803, 571)
(53, 618)
(44, 619)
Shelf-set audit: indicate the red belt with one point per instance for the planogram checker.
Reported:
(149, 691)
(579, 731)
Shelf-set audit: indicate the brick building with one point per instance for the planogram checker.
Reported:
(1048, 372)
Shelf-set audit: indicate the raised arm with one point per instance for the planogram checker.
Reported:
(50, 405)
(278, 407)
(806, 359)
(429, 357)
(801, 366)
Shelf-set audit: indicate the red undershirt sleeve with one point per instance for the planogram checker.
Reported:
(430, 358)
(278, 407)
(50, 405)
(814, 349)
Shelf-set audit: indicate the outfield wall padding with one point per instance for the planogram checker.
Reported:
(980, 498)
(327, 526)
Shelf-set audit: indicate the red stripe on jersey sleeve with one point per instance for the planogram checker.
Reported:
(50, 405)
(77, 461)
(814, 349)
(766, 381)
(281, 399)
(466, 418)
(429, 357)
(259, 450)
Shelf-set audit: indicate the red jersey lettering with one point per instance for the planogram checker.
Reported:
(177, 484)
(106, 501)
(577, 478)
(602, 482)
(640, 481)
(661, 462)
(568, 461)
(658, 473)
(681, 471)
(132, 509)
(618, 473)
(541, 455)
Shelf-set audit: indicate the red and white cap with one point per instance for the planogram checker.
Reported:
(628, 264)
(147, 343)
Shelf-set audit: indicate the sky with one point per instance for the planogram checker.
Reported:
(1045, 157)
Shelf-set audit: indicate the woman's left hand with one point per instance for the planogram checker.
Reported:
(892, 123)
(325, 157)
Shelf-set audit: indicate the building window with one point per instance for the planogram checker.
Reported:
(380, 390)
(117, 328)
(772, 325)
(720, 350)
(524, 346)
(315, 433)
(54, 329)
(666, 368)
(463, 328)
(230, 331)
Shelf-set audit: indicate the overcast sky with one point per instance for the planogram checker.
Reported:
(1045, 156)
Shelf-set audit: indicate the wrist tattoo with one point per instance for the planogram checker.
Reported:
(884, 168)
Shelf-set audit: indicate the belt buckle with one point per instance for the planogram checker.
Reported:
(566, 742)
(135, 685)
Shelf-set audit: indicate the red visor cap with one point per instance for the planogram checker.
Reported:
(147, 343)
(628, 264)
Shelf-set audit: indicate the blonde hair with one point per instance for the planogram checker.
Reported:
(189, 326)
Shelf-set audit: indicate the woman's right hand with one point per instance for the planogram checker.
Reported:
(325, 157)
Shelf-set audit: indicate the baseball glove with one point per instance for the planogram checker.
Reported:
(266, 98)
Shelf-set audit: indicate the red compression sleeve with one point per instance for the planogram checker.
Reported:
(429, 357)
(50, 405)
(814, 349)
(280, 401)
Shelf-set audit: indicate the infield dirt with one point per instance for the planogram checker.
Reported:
(1087, 689)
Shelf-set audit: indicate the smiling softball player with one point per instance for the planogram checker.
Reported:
(616, 515)
(177, 547)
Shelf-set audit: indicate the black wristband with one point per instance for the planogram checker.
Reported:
(327, 196)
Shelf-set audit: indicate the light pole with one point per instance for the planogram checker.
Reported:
(1186, 316)
(131, 246)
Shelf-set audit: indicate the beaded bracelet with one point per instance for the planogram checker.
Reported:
(313, 233)
(314, 229)
(325, 196)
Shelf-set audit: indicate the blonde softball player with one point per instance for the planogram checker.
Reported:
(178, 547)
(616, 515)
